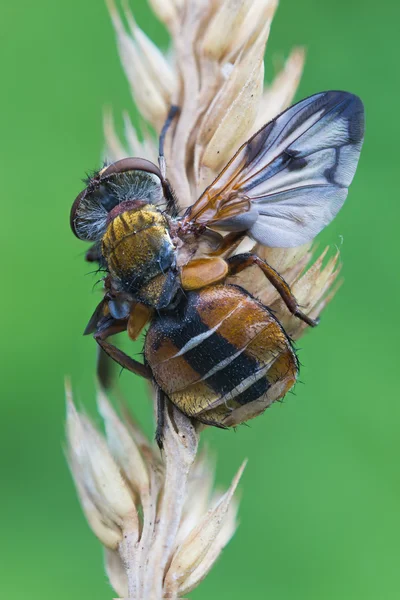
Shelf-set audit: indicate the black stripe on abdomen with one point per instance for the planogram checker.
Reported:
(209, 352)
(255, 391)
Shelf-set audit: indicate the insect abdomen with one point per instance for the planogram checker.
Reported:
(223, 350)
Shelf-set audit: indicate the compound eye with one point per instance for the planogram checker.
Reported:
(130, 164)
(126, 179)
(74, 212)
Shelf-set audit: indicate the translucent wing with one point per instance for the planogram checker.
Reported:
(291, 178)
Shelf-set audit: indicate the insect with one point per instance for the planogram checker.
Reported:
(211, 348)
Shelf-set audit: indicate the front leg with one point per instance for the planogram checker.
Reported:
(243, 261)
(99, 321)
(115, 353)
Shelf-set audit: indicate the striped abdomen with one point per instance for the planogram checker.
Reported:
(222, 349)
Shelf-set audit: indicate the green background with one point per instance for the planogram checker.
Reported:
(320, 513)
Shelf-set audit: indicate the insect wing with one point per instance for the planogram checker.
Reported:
(291, 178)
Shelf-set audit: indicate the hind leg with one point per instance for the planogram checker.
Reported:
(242, 261)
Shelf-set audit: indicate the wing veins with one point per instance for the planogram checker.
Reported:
(253, 175)
(298, 167)
(243, 147)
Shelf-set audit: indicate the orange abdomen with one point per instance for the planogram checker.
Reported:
(220, 350)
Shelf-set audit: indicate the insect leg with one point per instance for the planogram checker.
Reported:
(173, 111)
(105, 369)
(94, 253)
(116, 354)
(243, 261)
(229, 243)
(172, 204)
(161, 407)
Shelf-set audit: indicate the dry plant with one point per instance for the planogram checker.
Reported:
(159, 519)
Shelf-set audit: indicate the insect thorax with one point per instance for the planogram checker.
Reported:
(140, 255)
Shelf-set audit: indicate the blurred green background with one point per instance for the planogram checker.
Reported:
(320, 513)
